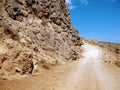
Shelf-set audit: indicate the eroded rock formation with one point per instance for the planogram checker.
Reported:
(33, 32)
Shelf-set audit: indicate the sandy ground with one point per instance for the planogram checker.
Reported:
(89, 73)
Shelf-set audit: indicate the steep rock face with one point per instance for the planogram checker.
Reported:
(33, 32)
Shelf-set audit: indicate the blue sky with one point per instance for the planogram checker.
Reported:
(96, 19)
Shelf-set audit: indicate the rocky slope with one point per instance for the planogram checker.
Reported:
(111, 51)
(34, 33)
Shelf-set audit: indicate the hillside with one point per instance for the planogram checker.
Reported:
(35, 34)
(110, 51)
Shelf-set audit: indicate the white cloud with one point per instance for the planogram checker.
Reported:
(85, 2)
(70, 4)
(68, 1)
(71, 7)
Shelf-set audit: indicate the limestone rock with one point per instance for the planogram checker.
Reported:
(35, 31)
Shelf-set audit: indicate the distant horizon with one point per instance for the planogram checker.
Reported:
(96, 19)
(99, 40)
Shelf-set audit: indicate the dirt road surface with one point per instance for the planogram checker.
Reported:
(89, 73)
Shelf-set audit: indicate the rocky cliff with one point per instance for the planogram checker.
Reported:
(34, 33)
